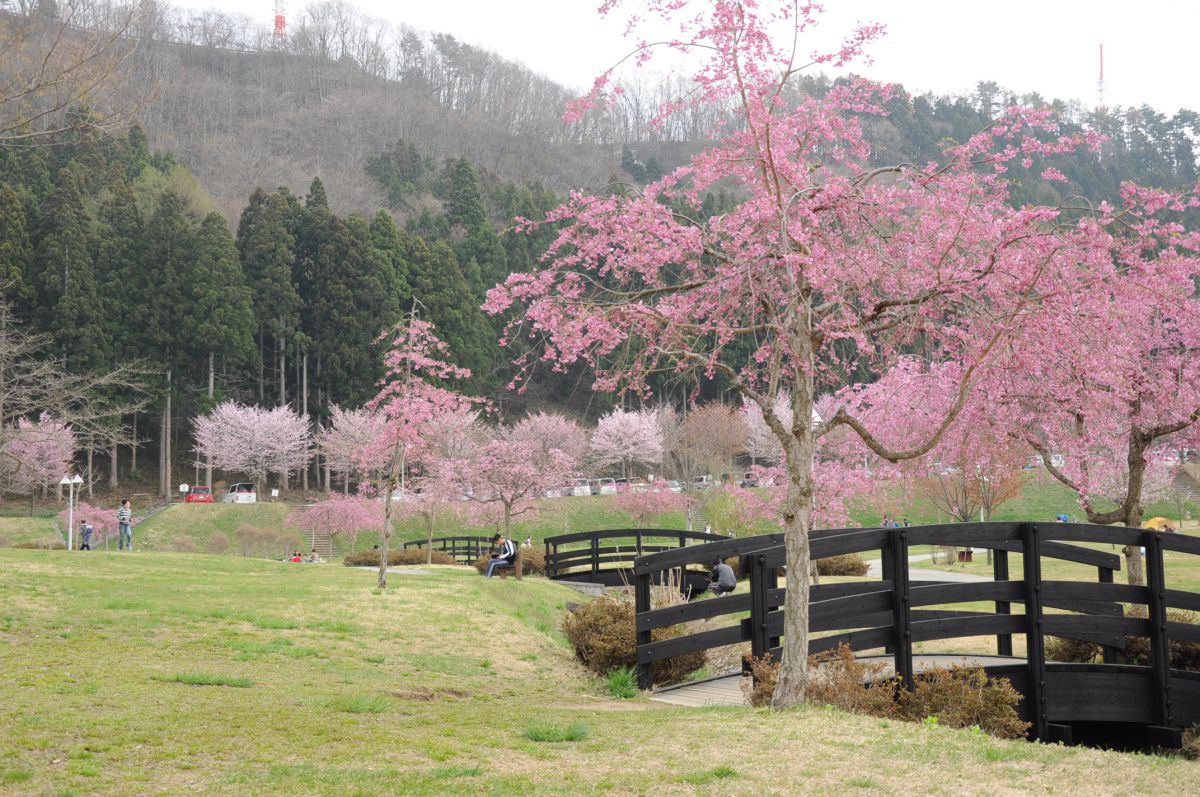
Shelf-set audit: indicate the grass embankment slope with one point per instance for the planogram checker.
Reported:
(158, 673)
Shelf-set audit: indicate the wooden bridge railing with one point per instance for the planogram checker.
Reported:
(893, 614)
(607, 556)
(464, 550)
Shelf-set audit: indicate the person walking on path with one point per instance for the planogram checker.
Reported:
(125, 526)
(85, 536)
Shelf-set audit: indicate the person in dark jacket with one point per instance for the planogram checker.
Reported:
(85, 536)
(723, 579)
(506, 556)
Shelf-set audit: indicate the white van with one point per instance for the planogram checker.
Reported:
(241, 493)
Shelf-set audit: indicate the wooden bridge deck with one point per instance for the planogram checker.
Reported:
(726, 690)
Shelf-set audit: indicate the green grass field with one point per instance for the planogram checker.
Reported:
(162, 674)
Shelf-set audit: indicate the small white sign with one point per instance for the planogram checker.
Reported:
(183, 488)
(274, 493)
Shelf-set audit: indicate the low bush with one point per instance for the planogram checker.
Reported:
(533, 561)
(1071, 650)
(962, 697)
(217, 542)
(850, 564)
(1191, 743)
(184, 545)
(958, 697)
(41, 545)
(397, 556)
(602, 631)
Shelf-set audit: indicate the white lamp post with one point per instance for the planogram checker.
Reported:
(71, 482)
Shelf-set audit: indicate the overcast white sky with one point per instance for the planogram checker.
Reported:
(1048, 46)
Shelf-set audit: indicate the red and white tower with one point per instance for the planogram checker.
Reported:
(280, 22)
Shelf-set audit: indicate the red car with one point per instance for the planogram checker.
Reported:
(198, 495)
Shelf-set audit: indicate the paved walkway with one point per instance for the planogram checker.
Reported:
(726, 690)
(875, 570)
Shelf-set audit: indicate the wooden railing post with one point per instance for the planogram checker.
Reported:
(901, 625)
(1160, 644)
(595, 557)
(645, 675)
(888, 572)
(1105, 576)
(1000, 573)
(758, 605)
(1034, 640)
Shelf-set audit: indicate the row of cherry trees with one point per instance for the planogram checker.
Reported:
(920, 298)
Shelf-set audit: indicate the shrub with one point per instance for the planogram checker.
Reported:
(396, 556)
(958, 697)
(962, 697)
(217, 542)
(602, 631)
(1191, 743)
(533, 561)
(760, 688)
(850, 564)
(1071, 650)
(42, 545)
(183, 545)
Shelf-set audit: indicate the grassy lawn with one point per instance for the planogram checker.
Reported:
(159, 673)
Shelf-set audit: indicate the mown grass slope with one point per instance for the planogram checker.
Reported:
(162, 674)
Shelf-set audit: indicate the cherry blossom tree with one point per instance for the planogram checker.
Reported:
(549, 431)
(713, 435)
(256, 441)
(343, 442)
(1101, 401)
(411, 406)
(102, 521)
(506, 476)
(646, 504)
(629, 438)
(37, 455)
(829, 268)
(434, 499)
(339, 515)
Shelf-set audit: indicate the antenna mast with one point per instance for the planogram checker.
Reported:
(280, 22)
(1100, 83)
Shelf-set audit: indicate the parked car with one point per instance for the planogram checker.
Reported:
(702, 482)
(578, 487)
(198, 495)
(603, 486)
(242, 493)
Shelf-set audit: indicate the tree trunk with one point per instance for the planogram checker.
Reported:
(282, 364)
(304, 413)
(262, 366)
(394, 472)
(429, 538)
(797, 522)
(91, 449)
(112, 466)
(208, 466)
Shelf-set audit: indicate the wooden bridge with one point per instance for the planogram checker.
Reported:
(463, 550)
(1123, 699)
(607, 556)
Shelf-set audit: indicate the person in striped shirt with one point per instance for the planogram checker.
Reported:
(125, 526)
(506, 557)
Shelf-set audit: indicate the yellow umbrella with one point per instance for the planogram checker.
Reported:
(1157, 523)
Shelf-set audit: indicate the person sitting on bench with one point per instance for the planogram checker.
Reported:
(723, 579)
(505, 557)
